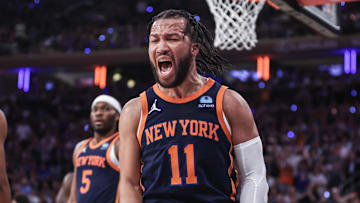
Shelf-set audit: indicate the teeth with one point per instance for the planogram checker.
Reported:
(164, 60)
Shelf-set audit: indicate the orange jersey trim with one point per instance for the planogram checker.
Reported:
(94, 146)
(141, 185)
(195, 95)
(219, 111)
(111, 164)
(144, 114)
(231, 167)
(117, 199)
(220, 116)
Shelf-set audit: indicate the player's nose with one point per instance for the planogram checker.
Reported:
(162, 47)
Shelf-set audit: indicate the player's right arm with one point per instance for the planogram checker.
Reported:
(4, 183)
(129, 153)
(72, 198)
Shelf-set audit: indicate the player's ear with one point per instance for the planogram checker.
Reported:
(195, 47)
(117, 116)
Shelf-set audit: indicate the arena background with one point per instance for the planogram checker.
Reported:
(307, 113)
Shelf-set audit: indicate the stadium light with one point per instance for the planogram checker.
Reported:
(24, 79)
(353, 61)
(263, 67)
(21, 79)
(100, 76)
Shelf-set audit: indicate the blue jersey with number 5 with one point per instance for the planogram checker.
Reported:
(97, 175)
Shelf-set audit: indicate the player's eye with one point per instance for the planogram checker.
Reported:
(152, 40)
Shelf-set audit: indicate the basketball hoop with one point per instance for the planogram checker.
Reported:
(235, 23)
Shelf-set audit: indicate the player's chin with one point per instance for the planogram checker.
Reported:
(166, 82)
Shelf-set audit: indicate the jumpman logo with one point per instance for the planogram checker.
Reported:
(154, 108)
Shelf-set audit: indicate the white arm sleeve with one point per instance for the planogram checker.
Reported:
(251, 166)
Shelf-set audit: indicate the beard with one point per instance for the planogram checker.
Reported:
(180, 74)
(103, 130)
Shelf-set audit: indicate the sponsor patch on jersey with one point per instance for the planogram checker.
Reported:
(206, 102)
(104, 146)
(84, 150)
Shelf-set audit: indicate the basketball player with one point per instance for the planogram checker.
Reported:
(96, 166)
(179, 137)
(5, 195)
(64, 192)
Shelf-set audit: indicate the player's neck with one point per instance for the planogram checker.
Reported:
(191, 84)
(99, 137)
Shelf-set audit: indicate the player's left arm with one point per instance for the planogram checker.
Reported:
(5, 195)
(64, 192)
(247, 147)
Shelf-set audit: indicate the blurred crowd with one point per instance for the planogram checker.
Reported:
(310, 126)
(309, 123)
(33, 27)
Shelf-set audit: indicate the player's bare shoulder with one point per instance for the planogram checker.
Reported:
(240, 117)
(233, 100)
(131, 112)
(78, 146)
(133, 106)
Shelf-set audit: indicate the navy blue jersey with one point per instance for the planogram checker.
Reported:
(97, 177)
(186, 149)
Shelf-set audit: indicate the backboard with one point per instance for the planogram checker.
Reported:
(324, 18)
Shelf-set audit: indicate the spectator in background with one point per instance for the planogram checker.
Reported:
(20, 198)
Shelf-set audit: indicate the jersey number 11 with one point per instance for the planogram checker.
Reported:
(190, 165)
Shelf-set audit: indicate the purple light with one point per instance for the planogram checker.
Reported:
(102, 38)
(197, 18)
(87, 50)
(49, 86)
(342, 3)
(21, 79)
(86, 127)
(110, 30)
(31, 5)
(293, 107)
(327, 193)
(290, 134)
(352, 109)
(353, 61)
(261, 85)
(149, 9)
(353, 93)
(27, 80)
(36, 1)
(347, 62)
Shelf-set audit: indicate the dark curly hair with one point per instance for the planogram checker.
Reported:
(210, 60)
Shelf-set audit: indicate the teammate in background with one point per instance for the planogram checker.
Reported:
(64, 192)
(96, 165)
(182, 132)
(5, 195)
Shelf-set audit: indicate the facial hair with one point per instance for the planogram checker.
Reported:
(108, 126)
(180, 75)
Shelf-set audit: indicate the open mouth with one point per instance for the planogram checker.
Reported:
(165, 66)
